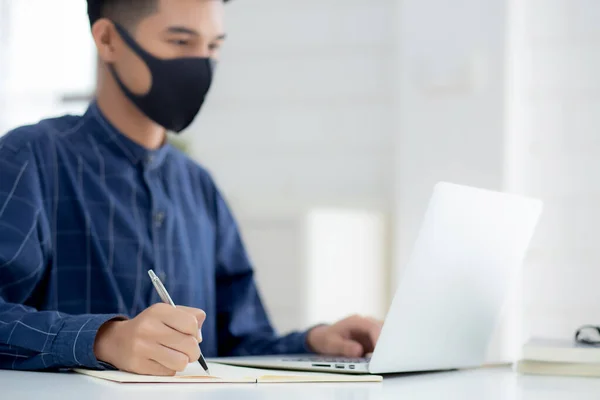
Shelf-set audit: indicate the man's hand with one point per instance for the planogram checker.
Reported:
(162, 340)
(352, 337)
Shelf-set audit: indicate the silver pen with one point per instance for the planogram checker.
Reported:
(164, 296)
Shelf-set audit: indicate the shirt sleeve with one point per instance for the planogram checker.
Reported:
(243, 325)
(32, 339)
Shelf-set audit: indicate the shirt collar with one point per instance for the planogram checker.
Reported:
(117, 141)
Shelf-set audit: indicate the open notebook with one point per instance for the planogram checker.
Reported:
(229, 374)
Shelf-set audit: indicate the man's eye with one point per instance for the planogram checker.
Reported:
(180, 42)
(214, 46)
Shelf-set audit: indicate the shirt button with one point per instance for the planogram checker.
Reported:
(149, 160)
(159, 218)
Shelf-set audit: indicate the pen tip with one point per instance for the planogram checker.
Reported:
(207, 371)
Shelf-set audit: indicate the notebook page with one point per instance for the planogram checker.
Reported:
(192, 374)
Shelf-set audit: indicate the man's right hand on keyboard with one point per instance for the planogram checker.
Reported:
(354, 336)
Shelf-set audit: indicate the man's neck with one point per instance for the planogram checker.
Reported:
(126, 117)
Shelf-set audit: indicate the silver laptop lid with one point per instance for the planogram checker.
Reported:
(453, 288)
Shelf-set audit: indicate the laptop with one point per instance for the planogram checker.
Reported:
(451, 293)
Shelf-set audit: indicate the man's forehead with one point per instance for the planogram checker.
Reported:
(190, 14)
(174, 6)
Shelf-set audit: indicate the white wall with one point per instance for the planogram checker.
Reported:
(345, 260)
(300, 117)
(556, 156)
(41, 61)
(301, 111)
(450, 102)
(451, 111)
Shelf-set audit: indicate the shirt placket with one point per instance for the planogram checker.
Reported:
(157, 218)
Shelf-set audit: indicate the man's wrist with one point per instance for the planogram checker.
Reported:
(104, 343)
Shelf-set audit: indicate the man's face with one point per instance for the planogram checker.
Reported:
(179, 28)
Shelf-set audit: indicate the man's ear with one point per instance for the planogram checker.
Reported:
(106, 38)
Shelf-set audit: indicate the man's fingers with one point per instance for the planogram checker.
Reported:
(352, 349)
(200, 316)
(196, 312)
(374, 329)
(365, 328)
(169, 358)
(179, 319)
(178, 341)
(343, 347)
(151, 367)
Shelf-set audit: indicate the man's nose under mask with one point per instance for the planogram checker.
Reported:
(179, 86)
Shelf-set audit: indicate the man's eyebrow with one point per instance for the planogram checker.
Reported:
(182, 29)
(189, 31)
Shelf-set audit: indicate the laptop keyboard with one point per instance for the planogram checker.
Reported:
(338, 360)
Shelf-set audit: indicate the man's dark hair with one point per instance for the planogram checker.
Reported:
(124, 12)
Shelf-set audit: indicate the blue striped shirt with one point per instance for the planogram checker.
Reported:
(84, 213)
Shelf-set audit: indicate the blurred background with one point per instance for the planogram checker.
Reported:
(331, 120)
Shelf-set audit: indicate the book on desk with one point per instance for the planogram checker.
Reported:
(559, 357)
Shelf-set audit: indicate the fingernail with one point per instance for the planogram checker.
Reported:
(199, 335)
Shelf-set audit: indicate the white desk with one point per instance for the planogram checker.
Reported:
(492, 384)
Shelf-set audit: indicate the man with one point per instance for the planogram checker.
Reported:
(89, 204)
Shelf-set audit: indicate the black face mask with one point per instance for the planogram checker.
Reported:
(178, 89)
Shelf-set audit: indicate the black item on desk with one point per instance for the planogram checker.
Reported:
(588, 335)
